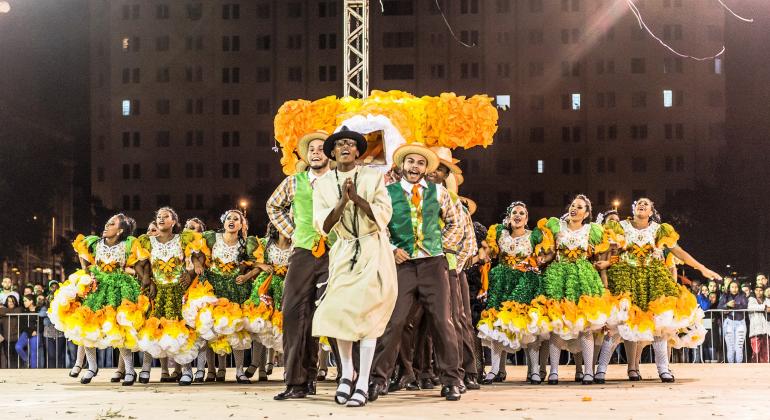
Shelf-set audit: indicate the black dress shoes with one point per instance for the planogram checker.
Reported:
(471, 383)
(426, 383)
(291, 392)
(375, 390)
(451, 392)
(310, 388)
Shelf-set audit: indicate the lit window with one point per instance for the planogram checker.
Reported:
(717, 66)
(668, 98)
(126, 107)
(503, 101)
(540, 166)
(575, 101)
(126, 44)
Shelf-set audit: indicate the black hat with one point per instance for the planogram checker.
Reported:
(344, 133)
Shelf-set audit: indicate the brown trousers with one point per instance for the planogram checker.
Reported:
(466, 319)
(300, 348)
(424, 281)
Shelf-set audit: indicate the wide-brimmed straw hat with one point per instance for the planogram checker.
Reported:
(416, 148)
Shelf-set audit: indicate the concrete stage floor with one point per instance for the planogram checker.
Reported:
(701, 391)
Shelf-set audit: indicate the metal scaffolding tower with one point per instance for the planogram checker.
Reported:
(356, 50)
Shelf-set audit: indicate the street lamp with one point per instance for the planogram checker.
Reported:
(4, 7)
(244, 205)
(616, 204)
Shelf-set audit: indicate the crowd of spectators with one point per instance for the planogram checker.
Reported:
(733, 309)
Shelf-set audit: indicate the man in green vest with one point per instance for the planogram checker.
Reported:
(424, 226)
(447, 174)
(290, 209)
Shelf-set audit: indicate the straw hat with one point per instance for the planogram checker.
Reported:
(304, 142)
(416, 148)
(445, 158)
(470, 204)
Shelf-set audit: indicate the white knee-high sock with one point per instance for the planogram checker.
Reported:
(587, 345)
(200, 362)
(146, 361)
(605, 353)
(210, 360)
(128, 360)
(238, 355)
(80, 356)
(660, 347)
(555, 354)
(346, 362)
(496, 353)
(533, 357)
(366, 356)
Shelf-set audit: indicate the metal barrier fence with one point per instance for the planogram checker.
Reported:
(29, 341)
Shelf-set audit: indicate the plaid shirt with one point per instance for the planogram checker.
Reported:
(278, 206)
(468, 247)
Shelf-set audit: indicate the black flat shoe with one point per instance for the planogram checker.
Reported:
(554, 381)
(340, 397)
(199, 375)
(186, 379)
(250, 371)
(166, 378)
(488, 380)
(535, 379)
(290, 393)
(143, 380)
(262, 377)
(602, 380)
(587, 379)
(667, 377)
(451, 392)
(500, 377)
(578, 377)
(269, 369)
(75, 371)
(221, 374)
(129, 379)
(242, 379)
(636, 377)
(85, 380)
(210, 377)
(321, 375)
(352, 402)
(117, 377)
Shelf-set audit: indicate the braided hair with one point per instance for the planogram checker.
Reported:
(242, 256)
(583, 197)
(655, 216)
(507, 216)
(175, 217)
(127, 224)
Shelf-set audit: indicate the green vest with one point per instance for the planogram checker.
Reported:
(401, 228)
(305, 236)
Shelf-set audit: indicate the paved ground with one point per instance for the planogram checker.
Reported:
(701, 391)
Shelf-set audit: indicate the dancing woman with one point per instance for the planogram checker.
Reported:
(513, 283)
(573, 285)
(161, 266)
(100, 306)
(214, 304)
(263, 309)
(662, 310)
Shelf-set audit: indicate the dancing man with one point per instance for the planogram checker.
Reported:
(290, 209)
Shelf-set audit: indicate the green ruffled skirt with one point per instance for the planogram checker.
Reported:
(168, 301)
(275, 291)
(571, 280)
(509, 284)
(644, 283)
(111, 289)
(226, 287)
